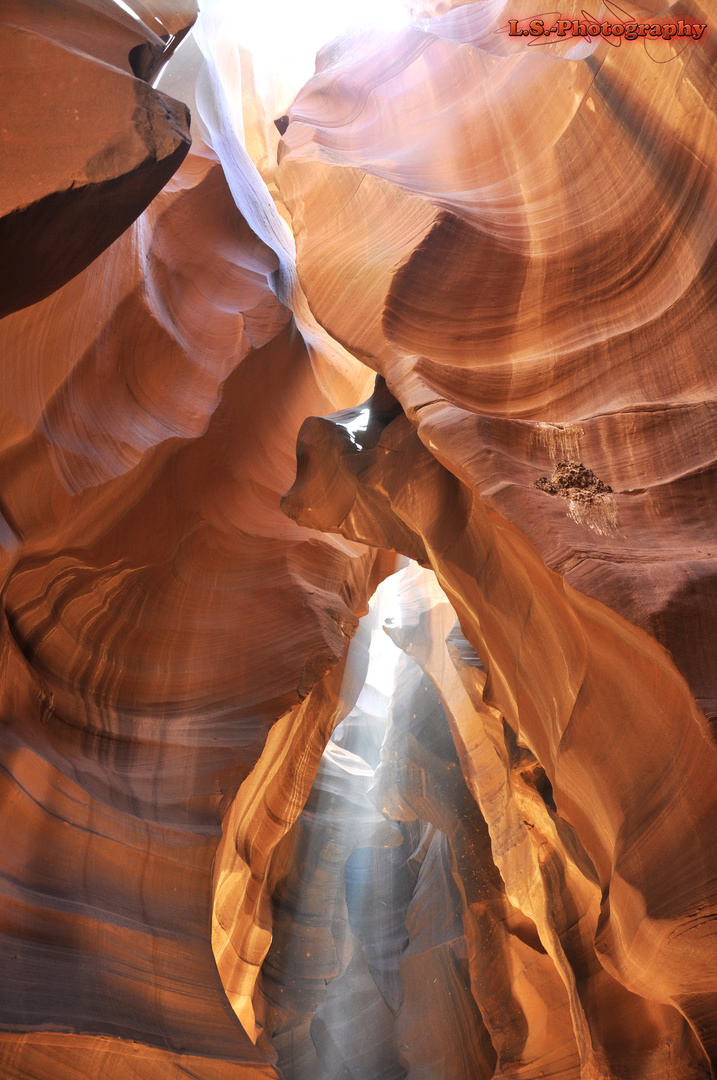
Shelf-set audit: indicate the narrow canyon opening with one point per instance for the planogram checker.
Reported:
(358, 594)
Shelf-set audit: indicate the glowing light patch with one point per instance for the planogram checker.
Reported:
(359, 423)
(284, 36)
(128, 9)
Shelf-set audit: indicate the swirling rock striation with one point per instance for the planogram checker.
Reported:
(557, 662)
(535, 289)
(160, 614)
(538, 297)
(534, 286)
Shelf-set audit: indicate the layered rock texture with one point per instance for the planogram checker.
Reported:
(454, 313)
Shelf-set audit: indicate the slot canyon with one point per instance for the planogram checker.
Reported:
(358, 497)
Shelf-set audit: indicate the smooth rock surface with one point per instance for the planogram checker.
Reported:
(85, 149)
